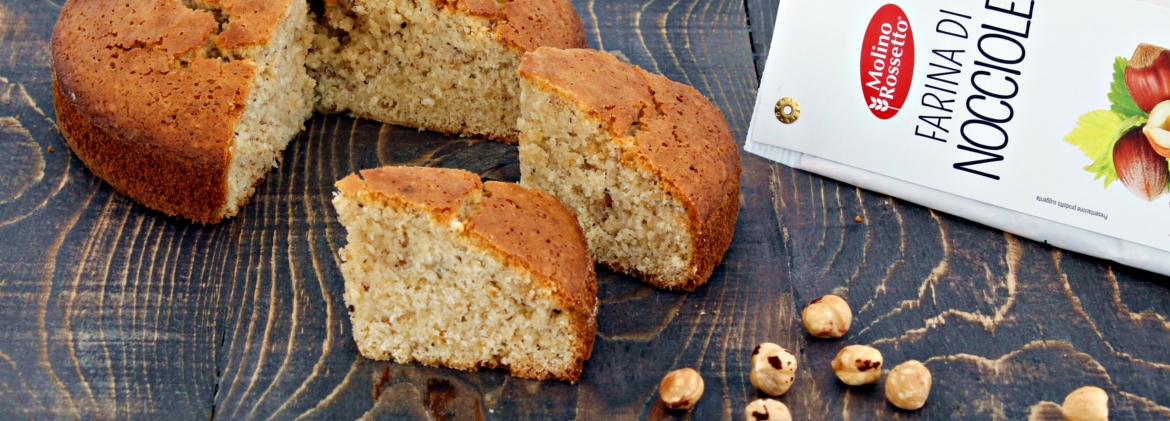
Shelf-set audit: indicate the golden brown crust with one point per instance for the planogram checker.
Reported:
(713, 238)
(441, 191)
(553, 247)
(194, 189)
(694, 149)
(139, 74)
(472, 7)
(678, 134)
(598, 83)
(551, 244)
(151, 113)
(250, 22)
(530, 229)
(531, 24)
(525, 24)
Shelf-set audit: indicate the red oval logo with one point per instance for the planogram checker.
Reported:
(887, 61)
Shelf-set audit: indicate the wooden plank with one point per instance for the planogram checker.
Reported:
(275, 367)
(762, 20)
(1008, 326)
(110, 310)
(113, 311)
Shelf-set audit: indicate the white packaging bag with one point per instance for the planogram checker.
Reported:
(1003, 112)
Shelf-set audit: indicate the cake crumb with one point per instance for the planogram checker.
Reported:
(50, 148)
(857, 219)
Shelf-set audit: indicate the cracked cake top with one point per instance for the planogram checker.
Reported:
(154, 71)
(523, 24)
(149, 93)
(674, 130)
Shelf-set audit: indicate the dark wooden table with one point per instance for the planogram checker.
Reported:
(112, 311)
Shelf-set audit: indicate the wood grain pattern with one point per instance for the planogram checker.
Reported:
(112, 311)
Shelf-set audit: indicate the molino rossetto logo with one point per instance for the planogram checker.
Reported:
(887, 61)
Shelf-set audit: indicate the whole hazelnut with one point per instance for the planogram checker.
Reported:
(857, 365)
(773, 369)
(1147, 75)
(1086, 404)
(1139, 167)
(767, 410)
(827, 317)
(681, 388)
(908, 385)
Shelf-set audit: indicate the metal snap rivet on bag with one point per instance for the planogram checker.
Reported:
(787, 110)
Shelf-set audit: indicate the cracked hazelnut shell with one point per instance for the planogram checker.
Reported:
(1157, 129)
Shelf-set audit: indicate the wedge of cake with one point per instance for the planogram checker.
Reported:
(183, 106)
(445, 270)
(443, 65)
(648, 165)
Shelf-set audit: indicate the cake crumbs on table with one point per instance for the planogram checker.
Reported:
(51, 149)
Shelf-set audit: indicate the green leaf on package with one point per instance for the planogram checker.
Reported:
(1096, 133)
(1121, 102)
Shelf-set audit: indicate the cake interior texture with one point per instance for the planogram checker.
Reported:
(424, 285)
(615, 172)
(185, 105)
(631, 223)
(419, 64)
(279, 102)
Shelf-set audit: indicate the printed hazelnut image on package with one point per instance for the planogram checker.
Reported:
(1130, 141)
(978, 110)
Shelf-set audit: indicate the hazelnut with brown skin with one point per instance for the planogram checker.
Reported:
(1088, 403)
(681, 388)
(858, 364)
(827, 317)
(773, 369)
(1147, 76)
(767, 410)
(1139, 167)
(908, 385)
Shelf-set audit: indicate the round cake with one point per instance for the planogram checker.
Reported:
(185, 105)
(183, 108)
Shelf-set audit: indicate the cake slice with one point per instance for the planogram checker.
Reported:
(445, 270)
(442, 65)
(182, 105)
(648, 165)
